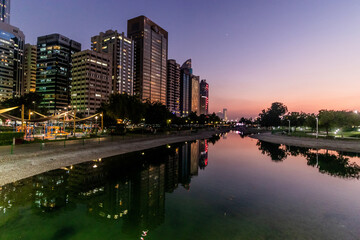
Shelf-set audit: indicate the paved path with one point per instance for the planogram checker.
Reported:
(29, 160)
(331, 144)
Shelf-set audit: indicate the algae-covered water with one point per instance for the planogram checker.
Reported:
(227, 188)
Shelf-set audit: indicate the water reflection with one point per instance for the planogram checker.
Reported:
(129, 188)
(338, 164)
(275, 151)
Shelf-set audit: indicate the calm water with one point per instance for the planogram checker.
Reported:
(235, 188)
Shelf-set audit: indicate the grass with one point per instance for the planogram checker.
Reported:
(348, 135)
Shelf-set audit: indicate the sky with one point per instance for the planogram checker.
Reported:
(303, 53)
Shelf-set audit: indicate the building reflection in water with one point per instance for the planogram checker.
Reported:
(337, 164)
(129, 188)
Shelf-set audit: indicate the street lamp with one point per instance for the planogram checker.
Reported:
(289, 126)
(317, 127)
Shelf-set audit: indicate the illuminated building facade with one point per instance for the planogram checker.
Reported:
(195, 94)
(151, 51)
(173, 87)
(204, 97)
(121, 50)
(12, 42)
(225, 118)
(53, 75)
(91, 80)
(30, 68)
(5, 11)
(185, 76)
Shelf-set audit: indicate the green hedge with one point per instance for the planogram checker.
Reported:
(6, 129)
(6, 138)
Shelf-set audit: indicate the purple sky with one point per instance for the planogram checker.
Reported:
(304, 53)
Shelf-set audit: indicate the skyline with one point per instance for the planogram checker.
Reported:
(304, 54)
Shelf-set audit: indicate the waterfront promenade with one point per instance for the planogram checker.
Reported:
(320, 143)
(31, 159)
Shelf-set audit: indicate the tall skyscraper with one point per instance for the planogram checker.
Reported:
(204, 97)
(225, 118)
(91, 80)
(195, 94)
(12, 42)
(5, 11)
(121, 50)
(151, 51)
(185, 76)
(173, 87)
(30, 68)
(53, 75)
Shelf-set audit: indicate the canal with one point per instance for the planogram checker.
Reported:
(230, 187)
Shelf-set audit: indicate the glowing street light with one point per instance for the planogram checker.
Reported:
(289, 126)
(317, 127)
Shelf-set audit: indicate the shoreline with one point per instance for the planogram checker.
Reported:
(21, 166)
(330, 144)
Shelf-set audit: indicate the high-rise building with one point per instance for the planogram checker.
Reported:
(53, 75)
(151, 51)
(91, 80)
(30, 68)
(5, 11)
(12, 42)
(204, 97)
(225, 118)
(121, 50)
(185, 76)
(173, 87)
(195, 94)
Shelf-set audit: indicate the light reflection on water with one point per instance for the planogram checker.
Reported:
(236, 188)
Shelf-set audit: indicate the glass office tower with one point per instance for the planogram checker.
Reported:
(11, 61)
(5, 11)
(121, 50)
(151, 51)
(53, 75)
(173, 87)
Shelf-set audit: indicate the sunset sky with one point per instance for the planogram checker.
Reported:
(303, 53)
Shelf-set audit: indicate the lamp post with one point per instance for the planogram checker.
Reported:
(49, 104)
(102, 121)
(74, 120)
(30, 113)
(289, 126)
(317, 127)
(33, 102)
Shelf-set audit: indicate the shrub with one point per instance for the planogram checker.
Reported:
(6, 138)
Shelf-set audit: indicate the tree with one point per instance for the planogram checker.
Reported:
(246, 121)
(272, 116)
(310, 121)
(126, 107)
(342, 120)
(296, 119)
(213, 118)
(326, 120)
(29, 100)
(157, 113)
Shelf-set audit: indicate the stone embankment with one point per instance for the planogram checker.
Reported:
(33, 159)
(331, 144)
